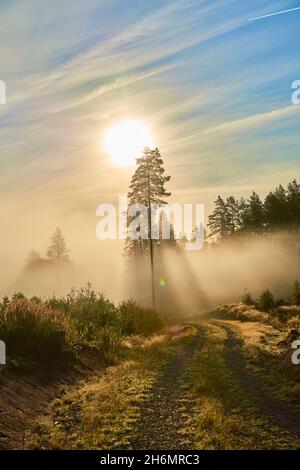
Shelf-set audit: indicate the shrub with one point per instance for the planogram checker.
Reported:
(135, 320)
(247, 299)
(266, 301)
(109, 342)
(32, 330)
(37, 328)
(89, 310)
(296, 293)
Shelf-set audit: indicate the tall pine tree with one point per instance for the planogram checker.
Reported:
(148, 188)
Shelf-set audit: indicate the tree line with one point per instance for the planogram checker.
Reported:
(280, 210)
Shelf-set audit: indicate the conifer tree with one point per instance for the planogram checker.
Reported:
(219, 220)
(148, 188)
(253, 218)
(57, 250)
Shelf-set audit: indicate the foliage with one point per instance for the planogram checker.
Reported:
(136, 320)
(38, 329)
(266, 301)
(89, 310)
(32, 330)
(109, 342)
(247, 299)
(147, 187)
(296, 293)
(279, 211)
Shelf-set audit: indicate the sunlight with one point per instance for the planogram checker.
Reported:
(125, 141)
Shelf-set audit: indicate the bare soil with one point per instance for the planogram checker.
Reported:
(27, 392)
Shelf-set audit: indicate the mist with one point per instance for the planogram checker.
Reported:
(186, 282)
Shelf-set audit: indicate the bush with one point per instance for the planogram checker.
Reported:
(135, 320)
(109, 343)
(247, 299)
(296, 293)
(89, 310)
(266, 301)
(32, 330)
(37, 328)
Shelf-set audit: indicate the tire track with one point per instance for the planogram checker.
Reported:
(164, 414)
(278, 411)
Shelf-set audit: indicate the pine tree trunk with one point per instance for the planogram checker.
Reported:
(151, 245)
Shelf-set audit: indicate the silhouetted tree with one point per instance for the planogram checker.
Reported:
(57, 250)
(279, 211)
(219, 220)
(275, 208)
(253, 214)
(148, 188)
(293, 204)
(233, 215)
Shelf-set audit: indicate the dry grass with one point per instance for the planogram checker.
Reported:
(258, 338)
(102, 413)
(241, 312)
(221, 422)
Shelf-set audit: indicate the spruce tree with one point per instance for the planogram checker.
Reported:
(57, 250)
(233, 215)
(276, 209)
(253, 218)
(293, 204)
(219, 220)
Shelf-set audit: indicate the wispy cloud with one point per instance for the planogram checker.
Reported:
(195, 70)
(252, 121)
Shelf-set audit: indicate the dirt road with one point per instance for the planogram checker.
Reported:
(164, 414)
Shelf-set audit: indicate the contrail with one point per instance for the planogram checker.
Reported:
(274, 14)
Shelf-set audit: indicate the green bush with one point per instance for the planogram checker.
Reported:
(109, 343)
(89, 310)
(296, 293)
(32, 330)
(247, 299)
(37, 328)
(135, 320)
(266, 301)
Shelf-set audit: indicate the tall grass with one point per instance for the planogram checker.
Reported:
(40, 329)
(32, 330)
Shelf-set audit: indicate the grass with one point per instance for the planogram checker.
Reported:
(268, 351)
(43, 329)
(224, 417)
(102, 413)
(32, 330)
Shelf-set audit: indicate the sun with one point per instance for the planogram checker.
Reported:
(125, 141)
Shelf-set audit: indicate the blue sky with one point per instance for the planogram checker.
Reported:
(214, 88)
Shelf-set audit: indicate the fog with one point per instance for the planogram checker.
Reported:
(186, 282)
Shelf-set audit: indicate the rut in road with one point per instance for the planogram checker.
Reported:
(277, 410)
(167, 409)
